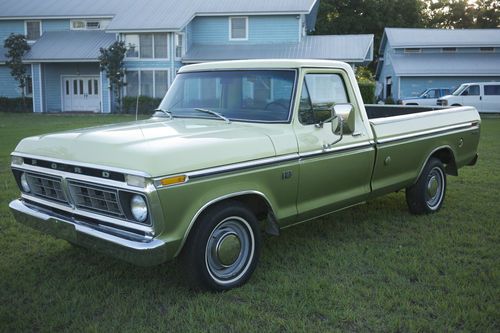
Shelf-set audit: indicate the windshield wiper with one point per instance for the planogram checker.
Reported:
(217, 114)
(168, 113)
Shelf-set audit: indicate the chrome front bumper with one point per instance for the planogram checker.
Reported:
(143, 252)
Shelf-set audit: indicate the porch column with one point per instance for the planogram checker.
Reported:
(105, 93)
(36, 76)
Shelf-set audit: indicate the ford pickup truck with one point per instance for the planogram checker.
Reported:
(235, 149)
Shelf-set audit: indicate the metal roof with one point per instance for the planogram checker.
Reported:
(428, 38)
(349, 48)
(148, 14)
(69, 46)
(444, 64)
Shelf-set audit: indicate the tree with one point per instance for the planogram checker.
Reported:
(111, 61)
(17, 47)
(367, 16)
(462, 14)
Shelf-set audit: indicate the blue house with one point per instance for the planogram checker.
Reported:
(413, 60)
(161, 36)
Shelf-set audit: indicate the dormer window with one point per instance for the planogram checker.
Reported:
(238, 28)
(449, 49)
(33, 30)
(487, 49)
(413, 50)
(86, 25)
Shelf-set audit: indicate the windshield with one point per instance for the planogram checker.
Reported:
(252, 95)
(459, 90)
(423, 93)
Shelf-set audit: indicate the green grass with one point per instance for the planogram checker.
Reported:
(371, 268)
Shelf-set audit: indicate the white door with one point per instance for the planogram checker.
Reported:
(472, 97)
(491, 97)
(81, 94)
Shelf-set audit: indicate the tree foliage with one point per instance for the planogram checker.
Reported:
(111, 61)
(462, 14)
(17, 46)
(367, 16)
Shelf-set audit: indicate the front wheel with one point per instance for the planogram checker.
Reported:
(427, 194)
(223, 248)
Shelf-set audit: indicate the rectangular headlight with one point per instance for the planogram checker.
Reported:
(17, 160)
(136, 181)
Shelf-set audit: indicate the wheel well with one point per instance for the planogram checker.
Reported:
(256, 203)
(446, 156)
(411, 103)
(456, 104)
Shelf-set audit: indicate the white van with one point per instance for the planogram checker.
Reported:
(484, 96)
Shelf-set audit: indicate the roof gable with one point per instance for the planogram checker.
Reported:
(148, 14)
(428, 38)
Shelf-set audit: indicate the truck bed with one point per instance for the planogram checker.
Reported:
(385, 111)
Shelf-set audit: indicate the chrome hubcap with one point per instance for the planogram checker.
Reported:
(432, 187)
(230, 249)
(435, 188)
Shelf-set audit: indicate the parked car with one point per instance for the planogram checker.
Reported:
(236, 146)
(427, 97)
(484, 96)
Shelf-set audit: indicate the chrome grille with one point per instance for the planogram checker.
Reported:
(46, 187)
(96, 198)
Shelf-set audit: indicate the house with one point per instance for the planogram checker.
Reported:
(161, 36)
(413, 60)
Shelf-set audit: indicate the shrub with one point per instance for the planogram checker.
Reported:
(367, 92)
(145, 105)
(16, 104)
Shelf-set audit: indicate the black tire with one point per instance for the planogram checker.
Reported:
(427, 194)
(223, 247)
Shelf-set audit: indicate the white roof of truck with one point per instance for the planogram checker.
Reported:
(265, 64)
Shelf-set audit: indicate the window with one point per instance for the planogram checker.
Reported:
(413, 50)
(151, 83)
(449, 49)
(492, 90)
(238, 28)
(33, 30)
(320, 92)
(179, 45)
(86, 25)
(487, 49)
(161, 45)
(147, 46)
(471, 91)
(28, 88)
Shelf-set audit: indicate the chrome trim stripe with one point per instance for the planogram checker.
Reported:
(82, 164)
(83, 178)
(341, 149)
(121, 223)
(468, 126)
(242, 165)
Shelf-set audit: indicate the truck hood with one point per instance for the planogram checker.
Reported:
(156, 147)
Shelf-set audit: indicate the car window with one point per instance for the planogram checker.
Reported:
(320, 92)
(471, 91)
(445, 92)
(492, 90)
(433, 93)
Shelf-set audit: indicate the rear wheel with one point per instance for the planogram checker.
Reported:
(223, 248)
(427, 194)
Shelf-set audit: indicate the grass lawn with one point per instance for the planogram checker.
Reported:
(371, 268)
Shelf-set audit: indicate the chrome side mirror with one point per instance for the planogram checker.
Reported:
(343, 119)
(342, 122)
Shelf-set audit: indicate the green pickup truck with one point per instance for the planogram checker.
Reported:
(235, 148)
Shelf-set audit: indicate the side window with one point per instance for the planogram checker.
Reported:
(471, 91)
(320, 92)
(434, 93)
(492, 90)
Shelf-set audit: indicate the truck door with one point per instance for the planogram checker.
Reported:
(338, 176)
(472, 97)
(491, 98)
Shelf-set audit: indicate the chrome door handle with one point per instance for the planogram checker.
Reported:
(357, 134)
